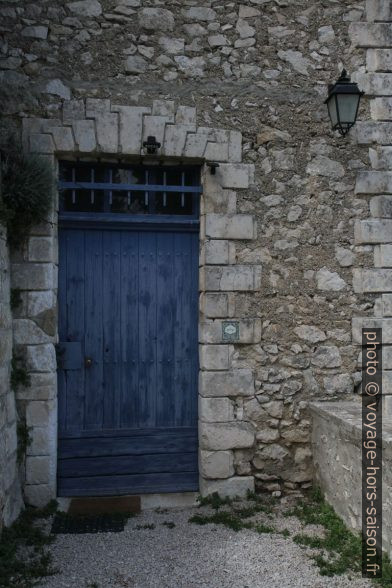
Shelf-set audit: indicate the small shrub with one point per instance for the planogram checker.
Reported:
(27, 187)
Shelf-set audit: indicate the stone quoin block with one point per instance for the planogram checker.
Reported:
(373, 231)
(186, 115)
(239, 382)
(215, 410)
(383, 256)
(379, 60)
(217, 148)
(84, 131)
(40, 249)
(40, 441)
(37, 469)
(387, 304)
(373, 182)
(249, 331)
(223, 436)
(107, 132)
(235, 146)
(214, 357)
(378, 10)
(43, 386)
(96, 107)
(130, 128)
(372, 323)
(164, 108)
(37, 413)
(41, 143)
(63, 138)
(215, 305)
(175, 138)
(235, 175)
(381, 108)
(219, 252)
(41, 358)
(195, 144)
(375, 84)
(38, 494)
(27, 332)
(232, 487)
(216, 464)
(33, 276)
(235, 226)
(366, 35)
(232, 278)
(155, 126)
(73, 110)
(381, 158)
(372, 280)
(373, 132)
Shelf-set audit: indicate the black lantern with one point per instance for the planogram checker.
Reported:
(343, 103)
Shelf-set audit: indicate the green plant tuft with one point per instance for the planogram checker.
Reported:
(24, 560)
(15, 298)
(24, 440)
(214, 500)
(27, 188)
(19, 374)
(169, 524)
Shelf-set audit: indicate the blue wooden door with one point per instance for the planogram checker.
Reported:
(128, 361)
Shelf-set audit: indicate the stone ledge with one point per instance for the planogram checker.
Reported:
(348, 414)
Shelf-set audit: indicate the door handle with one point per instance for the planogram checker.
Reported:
(88, 362)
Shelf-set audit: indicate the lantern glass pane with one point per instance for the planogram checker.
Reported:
(333, 115)
(347, 105)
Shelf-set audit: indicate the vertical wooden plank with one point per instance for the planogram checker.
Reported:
(111, 321)
(62, 310)
(194, 313)
(129, 329)
(147, 328)
(75, 325)
(93, 330)
(183, 399)
(165, 329)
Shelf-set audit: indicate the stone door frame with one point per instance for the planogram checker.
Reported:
(93, 129)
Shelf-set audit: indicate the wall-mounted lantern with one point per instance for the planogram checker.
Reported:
(343, 103)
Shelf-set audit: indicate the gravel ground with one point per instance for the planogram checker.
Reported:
(189, 555)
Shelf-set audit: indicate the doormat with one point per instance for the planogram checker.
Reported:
(74, 525)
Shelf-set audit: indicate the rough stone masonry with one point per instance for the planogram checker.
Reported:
(242, 84)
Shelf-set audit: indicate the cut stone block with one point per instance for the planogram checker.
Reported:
(236, 226)
(239, 382)
(216, 464)
(222, 436)
(232, 487)
(216, 410)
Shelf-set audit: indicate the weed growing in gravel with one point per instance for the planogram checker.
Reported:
(235, 517)
(341, 549)
(23, 557)
(147, 526)
(169, 524)
(214, 500)
(160, 510)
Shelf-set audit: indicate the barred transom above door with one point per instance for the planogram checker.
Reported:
(99, 188)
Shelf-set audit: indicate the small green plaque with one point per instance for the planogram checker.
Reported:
(230, 330)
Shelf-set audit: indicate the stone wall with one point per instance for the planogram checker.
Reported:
(336, 445)
(10, 486)
(277, 236)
